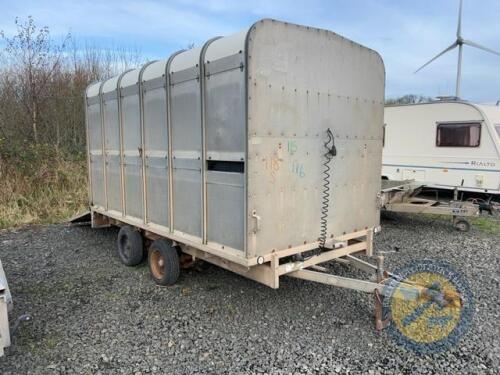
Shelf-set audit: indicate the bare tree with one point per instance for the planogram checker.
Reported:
(42, 83)
(409, 99)
(33, 59)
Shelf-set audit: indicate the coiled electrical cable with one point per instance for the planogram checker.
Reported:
(325, 201)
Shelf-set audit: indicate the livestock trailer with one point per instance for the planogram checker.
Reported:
(259, 152)
(444, 144)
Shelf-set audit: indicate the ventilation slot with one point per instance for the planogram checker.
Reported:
(226, 166)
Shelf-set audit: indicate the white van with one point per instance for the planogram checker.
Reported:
(443, 144)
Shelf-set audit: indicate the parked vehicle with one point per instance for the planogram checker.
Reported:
(259, 152)
(443, 144)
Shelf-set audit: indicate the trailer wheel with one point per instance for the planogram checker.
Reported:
(462, 225)
(163, 262)
(130, 246)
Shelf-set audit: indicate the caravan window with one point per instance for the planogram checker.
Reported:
(458, 134)
(497, 127)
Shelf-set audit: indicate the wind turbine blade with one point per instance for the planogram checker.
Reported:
(437, 56)
(459, 27)
(472, 44)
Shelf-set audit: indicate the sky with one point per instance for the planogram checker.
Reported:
(407, 33)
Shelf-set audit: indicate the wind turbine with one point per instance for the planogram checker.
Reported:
(459, 42)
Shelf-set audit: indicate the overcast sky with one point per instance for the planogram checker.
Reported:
(406, 33)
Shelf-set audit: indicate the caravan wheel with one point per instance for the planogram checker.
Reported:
(462, 225)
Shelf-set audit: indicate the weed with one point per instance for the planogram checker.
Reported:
(41, 186)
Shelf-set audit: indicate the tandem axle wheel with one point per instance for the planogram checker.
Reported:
(163, 261)
(163, 257)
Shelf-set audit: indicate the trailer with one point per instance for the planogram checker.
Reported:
(445, 144)
(259, 152)
(403, 197)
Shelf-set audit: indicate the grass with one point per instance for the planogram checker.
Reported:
(39, 185)
(488, 224)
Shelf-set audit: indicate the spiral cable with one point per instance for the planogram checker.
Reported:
(325, 200)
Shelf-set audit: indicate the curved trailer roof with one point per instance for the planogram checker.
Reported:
(216, 48)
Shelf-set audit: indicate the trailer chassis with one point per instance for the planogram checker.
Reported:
(401, 196)
(288, 262)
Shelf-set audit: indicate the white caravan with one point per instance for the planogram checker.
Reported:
(443, 144)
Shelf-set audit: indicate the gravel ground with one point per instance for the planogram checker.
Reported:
(93, 315)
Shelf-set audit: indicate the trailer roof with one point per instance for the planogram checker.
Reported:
(185, 60)
(110, 84)
(219, 48)
(154, 70)
(130, 78)
(226, 46)
(93, 89)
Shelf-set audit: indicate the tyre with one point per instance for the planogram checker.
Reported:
(163, 262)
(462, 225)
(130, 246)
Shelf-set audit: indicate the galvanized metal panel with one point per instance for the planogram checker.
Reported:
(225, 196)
(225, 111)
(154, 84)
(95, 151)
(302, 82)
(111, 125)
(185, 75)
(236, 61)
(94, 123)
(132, 156)
(109, 95)
(112, 153)
(187, 201)
(155, 121)
(156, 154)
(186, 145)
(113, 177)
(157, 192)
(97, 176)
(133, 188)
(185, 117)
(225, 140)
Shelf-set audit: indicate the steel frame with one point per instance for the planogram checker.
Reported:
(401, 198)
(268, 269)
